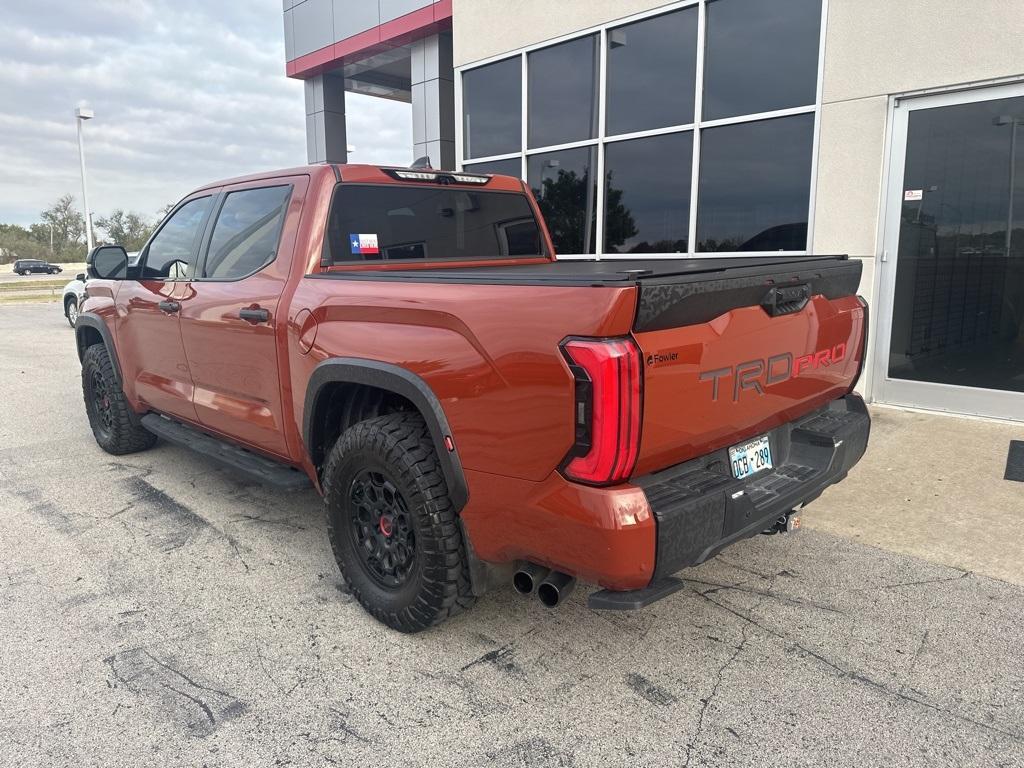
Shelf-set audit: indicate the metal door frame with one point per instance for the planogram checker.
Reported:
(975, 401)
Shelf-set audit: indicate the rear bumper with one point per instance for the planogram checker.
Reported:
(631, 538)
(700, 509)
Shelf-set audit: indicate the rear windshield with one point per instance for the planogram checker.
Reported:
(428, 223)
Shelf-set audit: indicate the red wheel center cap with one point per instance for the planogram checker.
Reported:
(386, 526)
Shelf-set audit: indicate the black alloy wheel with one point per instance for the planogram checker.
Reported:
(101, 404)
(381, 529)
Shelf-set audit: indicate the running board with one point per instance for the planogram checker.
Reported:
(634, 600)
(250, 464)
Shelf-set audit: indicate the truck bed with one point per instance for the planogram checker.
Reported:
(673, 292)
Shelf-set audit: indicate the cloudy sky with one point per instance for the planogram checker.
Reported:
(185, 92)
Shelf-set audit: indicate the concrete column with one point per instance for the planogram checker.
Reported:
(326, 141)
(433, 100)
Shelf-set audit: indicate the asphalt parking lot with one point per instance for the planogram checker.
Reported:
(157, 611)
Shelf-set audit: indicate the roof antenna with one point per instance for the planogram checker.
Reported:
(422, 162)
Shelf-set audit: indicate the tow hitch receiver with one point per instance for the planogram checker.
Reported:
(786, 523)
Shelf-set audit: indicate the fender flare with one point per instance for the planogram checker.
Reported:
(94, 321)
(393, 378)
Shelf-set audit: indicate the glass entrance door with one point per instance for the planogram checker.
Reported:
(951, 304)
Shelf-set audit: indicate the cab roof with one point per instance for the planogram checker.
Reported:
(375, 174)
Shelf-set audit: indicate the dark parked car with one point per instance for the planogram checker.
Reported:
(24, 266)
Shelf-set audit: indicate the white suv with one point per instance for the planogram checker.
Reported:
(74, 292)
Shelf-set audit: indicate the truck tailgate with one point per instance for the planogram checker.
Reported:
(733, 354)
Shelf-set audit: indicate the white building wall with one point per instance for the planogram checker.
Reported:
(873, 50)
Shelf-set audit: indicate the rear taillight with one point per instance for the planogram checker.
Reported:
(865, 329)
(608, 406)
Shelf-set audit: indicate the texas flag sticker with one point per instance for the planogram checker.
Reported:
(363, 244)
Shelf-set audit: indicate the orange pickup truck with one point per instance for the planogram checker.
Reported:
(470, 407)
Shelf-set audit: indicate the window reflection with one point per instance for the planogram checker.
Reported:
(513, 167)
(647, 194)
(651, 70)
(958, 314)
(491, 104)
(565, 186)
(562, 93)
(754, 189)
(760, 56)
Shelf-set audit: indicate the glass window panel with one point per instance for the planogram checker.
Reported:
(563, 93)
(565, 185)
(958, 315)
(651, 71)
(171, 254)
(760, 56)
(513, 167)
(491, 108)
(754, 189)
(245, 236)
(421, 222)
(647, 194)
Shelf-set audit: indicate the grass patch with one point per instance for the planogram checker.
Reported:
(33, 285)
(37, 298)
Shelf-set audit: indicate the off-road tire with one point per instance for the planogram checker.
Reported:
(398, 446)
(117, 434)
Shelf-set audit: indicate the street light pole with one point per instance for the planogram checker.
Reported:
(81, 115)
(1013, 122)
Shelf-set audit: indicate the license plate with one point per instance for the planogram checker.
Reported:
(750, 457)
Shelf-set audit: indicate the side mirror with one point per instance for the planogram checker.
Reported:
(80, 277)
(107, 262)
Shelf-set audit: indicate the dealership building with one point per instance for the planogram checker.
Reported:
(885, 130)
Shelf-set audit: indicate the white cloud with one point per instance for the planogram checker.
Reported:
(185, 92)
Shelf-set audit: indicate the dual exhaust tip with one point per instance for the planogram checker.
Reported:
(552, 587)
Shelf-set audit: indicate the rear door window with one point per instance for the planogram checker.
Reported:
(428, 223)
(246, 233)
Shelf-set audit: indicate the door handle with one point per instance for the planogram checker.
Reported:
(254, 315)
(169, 307)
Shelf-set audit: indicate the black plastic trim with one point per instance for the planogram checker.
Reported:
(672, 303)
(609, 273)
(393, 378)
(94, 321)
(700, 509)
(255, 466)
(634, 599)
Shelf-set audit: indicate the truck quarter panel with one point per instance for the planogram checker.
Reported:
(490, 354)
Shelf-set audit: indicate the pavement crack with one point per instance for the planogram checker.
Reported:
(963, 575)
(490, 657)
(185, 677)
(860, 677)
(706, 702)
(765, 593)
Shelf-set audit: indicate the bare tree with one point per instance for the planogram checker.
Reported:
(68, 229)
(126, 228)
